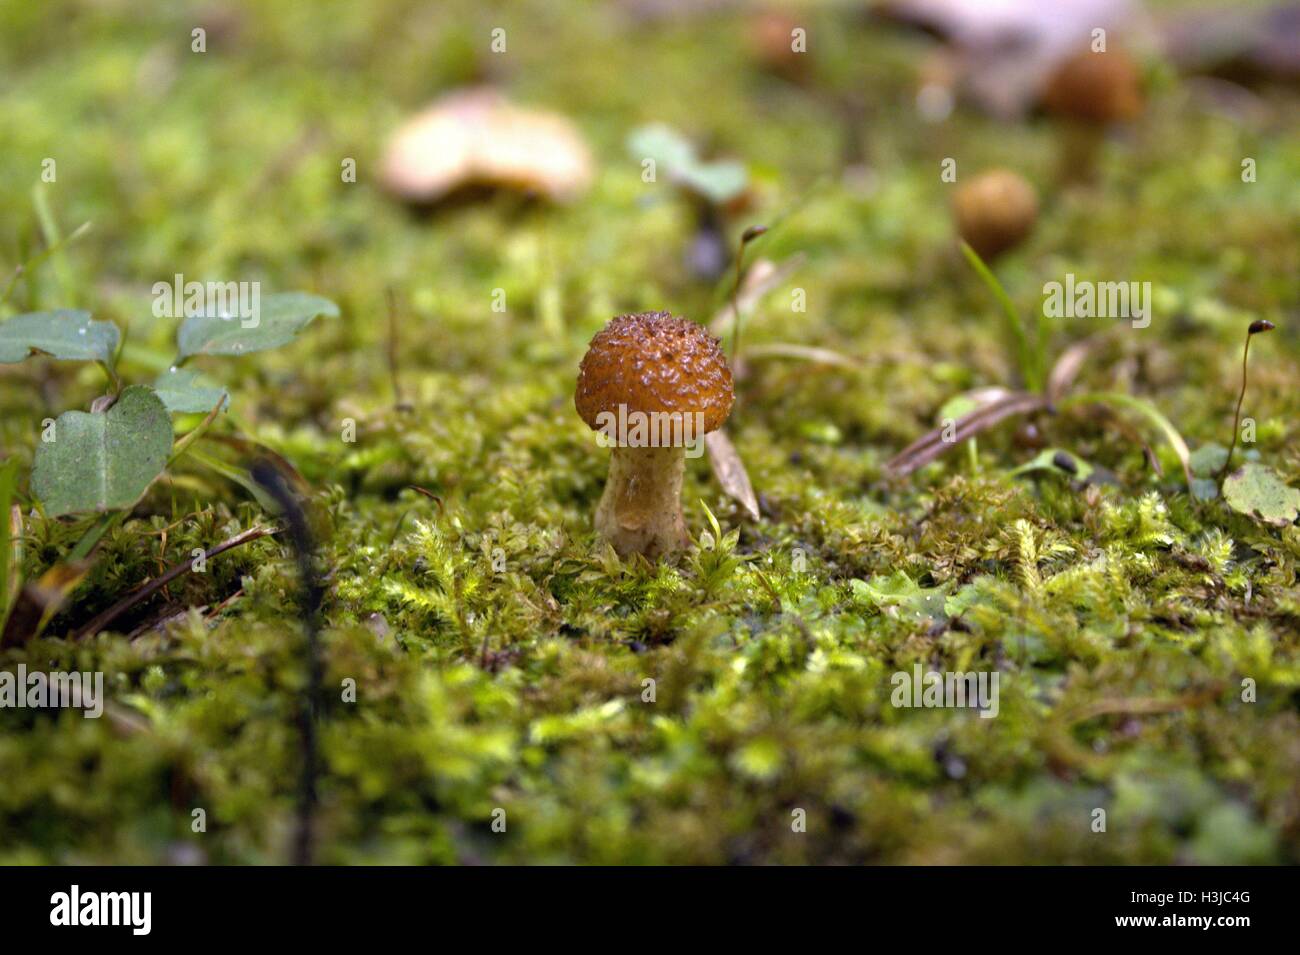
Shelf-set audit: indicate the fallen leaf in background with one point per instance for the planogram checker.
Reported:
(1004, 50)
(730, 471)
(809, 353)
(1257, 491)
(1245, 46)
(475, 137)
(40, 600)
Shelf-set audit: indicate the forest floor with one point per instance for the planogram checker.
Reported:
(485, 657)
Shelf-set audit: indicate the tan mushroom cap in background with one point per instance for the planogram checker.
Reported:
(477, 137)
(654, 362)
(1096, 87)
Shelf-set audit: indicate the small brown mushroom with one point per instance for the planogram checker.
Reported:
(1098, 88)
(652, 385)
(1089, 92)
(995, 211)
(771, 42)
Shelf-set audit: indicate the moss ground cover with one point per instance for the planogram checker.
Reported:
(498, 651)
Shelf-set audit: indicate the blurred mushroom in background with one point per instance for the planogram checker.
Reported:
(476, 138)
(772, 39)
(1088, 93)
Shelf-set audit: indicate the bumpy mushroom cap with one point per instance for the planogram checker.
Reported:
(1096, 88)
(995, 211)
(654, 362)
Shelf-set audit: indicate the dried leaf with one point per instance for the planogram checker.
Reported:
(40, 600)
(730, 471)
(762, 277)
(1259, 492)
(1067, 368)
(820, 356)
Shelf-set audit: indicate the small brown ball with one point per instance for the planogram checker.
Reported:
(995, 211)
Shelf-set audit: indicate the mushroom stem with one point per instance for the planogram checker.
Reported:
(641, 509)
(1079, 153)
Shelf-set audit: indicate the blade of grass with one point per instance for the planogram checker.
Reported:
(238, 475)
(92, 536)
(1144, 408)
(1028, 354)
(8, 481)
(54, 240)
(183, 444)
(38, 258)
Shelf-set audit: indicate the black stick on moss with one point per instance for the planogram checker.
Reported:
(269, 477)
(1256, 327)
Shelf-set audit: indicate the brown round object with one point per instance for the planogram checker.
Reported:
(995, 211)
(771, 41)
(1096, 88)
(1028, 436)
(654, 362)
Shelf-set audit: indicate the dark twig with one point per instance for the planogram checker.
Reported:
(933, 444)
(427, 493)
(270, 478)
(148, 589)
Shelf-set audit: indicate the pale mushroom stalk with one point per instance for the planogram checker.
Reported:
(641, 509)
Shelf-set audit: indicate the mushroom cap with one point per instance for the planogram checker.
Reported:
(1096, 87)
(654, 362)
(995, 211)
(477, 137)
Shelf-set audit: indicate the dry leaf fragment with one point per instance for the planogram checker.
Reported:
(730, 471)
(39, 600)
